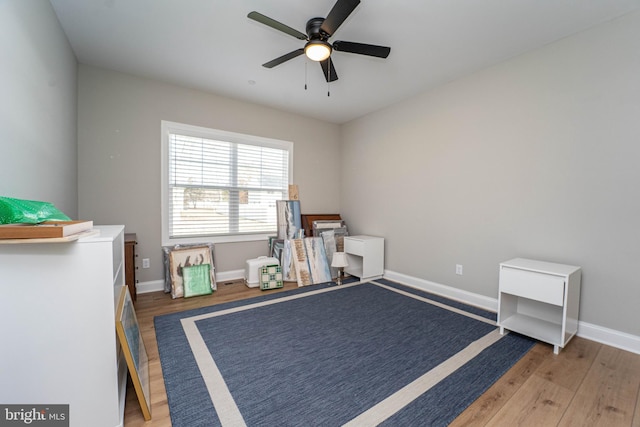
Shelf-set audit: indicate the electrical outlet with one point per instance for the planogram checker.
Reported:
(145, 262)
(459, 269)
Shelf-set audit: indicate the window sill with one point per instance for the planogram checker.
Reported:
(217, 239)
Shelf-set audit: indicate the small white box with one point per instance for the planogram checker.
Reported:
(252, 269)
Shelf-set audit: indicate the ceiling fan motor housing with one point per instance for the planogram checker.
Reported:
(317, 48)
(313, 29)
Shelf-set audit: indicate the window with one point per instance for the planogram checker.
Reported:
(220, 186)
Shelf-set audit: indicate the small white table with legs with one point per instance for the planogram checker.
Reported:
(539, 299)
(365, 255)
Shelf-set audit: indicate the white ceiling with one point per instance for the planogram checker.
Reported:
(211, 45)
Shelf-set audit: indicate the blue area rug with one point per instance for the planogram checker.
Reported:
(361, 354)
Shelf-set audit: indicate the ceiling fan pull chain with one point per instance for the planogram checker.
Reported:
(329, 79)
(305, 75)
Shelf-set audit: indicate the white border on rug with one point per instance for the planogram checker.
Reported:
(407, 394)
(436, 303)
(228, 411)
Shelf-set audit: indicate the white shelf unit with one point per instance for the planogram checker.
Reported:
(57, 305)
(539, 299)
(365, 255)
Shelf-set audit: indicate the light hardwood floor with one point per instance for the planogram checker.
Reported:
(587, 384)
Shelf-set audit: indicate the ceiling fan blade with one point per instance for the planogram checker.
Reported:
(283, 58)
(362, 48)
(328, 70)
(338, 14)
(276, 25)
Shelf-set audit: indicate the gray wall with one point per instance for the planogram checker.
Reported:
(119, 155)
(536, 157)
(38, 108)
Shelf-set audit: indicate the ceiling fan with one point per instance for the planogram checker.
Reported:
(319, 31)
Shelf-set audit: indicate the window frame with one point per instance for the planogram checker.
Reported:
(167, 128)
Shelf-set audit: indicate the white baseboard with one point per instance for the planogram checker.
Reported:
(158, 285)
(226, 276)
(611, 337)
(490, 304)
(151, 286)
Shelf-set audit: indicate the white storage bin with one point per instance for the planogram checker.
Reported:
(252, 269)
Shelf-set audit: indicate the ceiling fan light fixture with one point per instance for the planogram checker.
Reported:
(317, 50)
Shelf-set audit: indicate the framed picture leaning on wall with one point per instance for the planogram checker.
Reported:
(135, 353)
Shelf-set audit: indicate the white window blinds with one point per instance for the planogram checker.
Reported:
(218, 187)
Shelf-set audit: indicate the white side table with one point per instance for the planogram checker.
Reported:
(365, 255)
(539, 299)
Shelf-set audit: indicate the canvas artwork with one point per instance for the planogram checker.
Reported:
(130, 338)
(293, 192)
(308, 219)
(329, 240)
(187, 257)
(166, 261)
(289, 219)
(275, 247)
(339, 227)
(196, 280)
(318, 265)
(287, 263)
(299, 255)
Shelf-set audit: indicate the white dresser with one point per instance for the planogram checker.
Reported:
(539, 299)
(57, 317)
